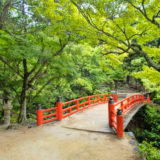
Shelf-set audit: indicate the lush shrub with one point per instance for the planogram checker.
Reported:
(156, 100)
(148, 132)
(151, 126)
(148, 151)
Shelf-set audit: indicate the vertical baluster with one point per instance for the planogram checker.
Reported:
(122, 107)
(98, 99)
(89, 101)
(104, 98)
(77, 105)
(128, 103)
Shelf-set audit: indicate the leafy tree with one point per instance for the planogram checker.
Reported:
(30, 48)
(118, 32)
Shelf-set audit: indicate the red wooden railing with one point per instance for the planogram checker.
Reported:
(62, 110)
(117, 110)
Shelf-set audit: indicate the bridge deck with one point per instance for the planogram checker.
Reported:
(95, 119)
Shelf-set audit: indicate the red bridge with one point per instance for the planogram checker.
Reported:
(108, 115)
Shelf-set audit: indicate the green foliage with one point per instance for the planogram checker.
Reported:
(156, 100)
(150, 78)
(119, 33)
(148, 151)
(148, 131)
(151, 116)
(84, 76)
(71, 48)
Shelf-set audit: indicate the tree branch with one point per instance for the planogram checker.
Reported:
(143, 12)
(5, 62)
(25, 67)
(36, 65)
(62, 47)
(137, 48)
(123, 31)
(138, 34)
(40, 90)
(94, 26)
(35, 75)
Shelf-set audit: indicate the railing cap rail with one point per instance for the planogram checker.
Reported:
(127, 98)
(86, 98)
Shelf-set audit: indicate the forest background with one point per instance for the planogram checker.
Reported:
(78, 48)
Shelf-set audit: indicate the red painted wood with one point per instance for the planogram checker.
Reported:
(50, 109)
(120, 126)
(39, 117)
(73, 106)
(60, 111)
(49, 120)
(49, 115)
(125, 105)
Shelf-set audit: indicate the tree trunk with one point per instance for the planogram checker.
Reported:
(22, 115)
(116, 85)
(128, 80)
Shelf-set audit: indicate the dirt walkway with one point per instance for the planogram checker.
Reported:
(57, 143)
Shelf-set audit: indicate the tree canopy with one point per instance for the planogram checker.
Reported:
(72, 47)
(75, 48)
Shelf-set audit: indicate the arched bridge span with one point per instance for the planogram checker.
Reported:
(104, 113)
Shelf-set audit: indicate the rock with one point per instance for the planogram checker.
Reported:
(133, 142)
(137, 149)
(14, 127)
(131, 134)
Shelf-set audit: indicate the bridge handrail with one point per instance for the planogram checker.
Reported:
(117, 110)
(65, 109)
(126, 99)
(86, 98)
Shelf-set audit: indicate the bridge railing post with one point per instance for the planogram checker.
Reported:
(115, 97)
(119, 123)
(77, 104)
(142, 98)
(148, 98)
(39, 116)
(98, 99)
(59, 108)
(105, 98)
(89, 100)
(128, 103)
(110, 111)
(122, 107)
